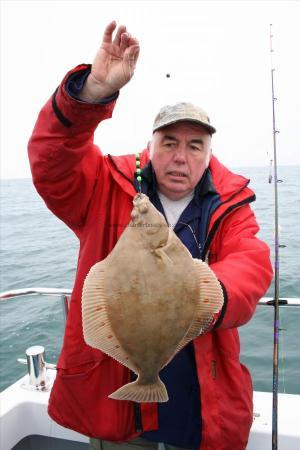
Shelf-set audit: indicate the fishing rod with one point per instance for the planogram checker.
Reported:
(276, 268)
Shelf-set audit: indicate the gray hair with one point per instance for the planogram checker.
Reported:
(151, 144)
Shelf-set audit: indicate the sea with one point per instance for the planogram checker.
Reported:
(38, 250)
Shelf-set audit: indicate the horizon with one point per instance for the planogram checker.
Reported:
(267, 166)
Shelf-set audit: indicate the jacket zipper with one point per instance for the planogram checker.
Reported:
(214, 369)
(137, 417)
(217, 223)
(136, 410)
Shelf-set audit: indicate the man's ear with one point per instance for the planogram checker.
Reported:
(149, 148)
(209, 157)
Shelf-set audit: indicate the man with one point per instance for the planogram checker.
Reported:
(210, 392)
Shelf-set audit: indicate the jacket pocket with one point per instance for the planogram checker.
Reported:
(79, 400)
(82, 370)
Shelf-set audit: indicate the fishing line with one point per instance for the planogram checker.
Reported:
(195, 238)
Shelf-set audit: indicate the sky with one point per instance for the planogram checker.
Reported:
(216, 52)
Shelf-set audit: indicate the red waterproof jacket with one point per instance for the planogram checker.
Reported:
(93, 195)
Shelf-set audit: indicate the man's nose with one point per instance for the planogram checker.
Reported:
(180, 154)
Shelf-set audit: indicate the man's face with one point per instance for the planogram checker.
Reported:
(180, 153)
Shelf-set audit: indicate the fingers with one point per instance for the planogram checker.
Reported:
(131, 57)
(122, 39)
(133, 53)
(127, 41)
(133, 41)
(117, 39)
(107, 37)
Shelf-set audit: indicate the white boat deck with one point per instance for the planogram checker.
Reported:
(24, 414)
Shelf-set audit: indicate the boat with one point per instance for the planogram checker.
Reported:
(25, 424)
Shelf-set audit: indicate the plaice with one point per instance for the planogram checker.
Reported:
(147, 300)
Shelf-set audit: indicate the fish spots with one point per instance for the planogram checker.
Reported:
(155, 309)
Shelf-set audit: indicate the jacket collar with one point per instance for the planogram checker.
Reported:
(227, 183)
(217, 179)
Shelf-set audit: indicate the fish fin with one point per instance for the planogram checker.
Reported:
(97, 331)
(210, 301)
(140, 392)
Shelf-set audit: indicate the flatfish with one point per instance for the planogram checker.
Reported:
(146, 300)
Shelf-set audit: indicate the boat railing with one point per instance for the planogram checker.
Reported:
(36, 364)
(65, 296)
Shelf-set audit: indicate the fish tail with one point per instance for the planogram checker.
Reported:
(140, 392)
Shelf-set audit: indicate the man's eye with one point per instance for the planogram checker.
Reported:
(170, 144)
(193, 147)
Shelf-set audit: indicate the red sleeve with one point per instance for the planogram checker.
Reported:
(242, 264)
(63, 158)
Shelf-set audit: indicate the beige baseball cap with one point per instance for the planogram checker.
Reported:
(182, 112)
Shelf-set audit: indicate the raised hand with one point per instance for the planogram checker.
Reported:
(113, 65)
